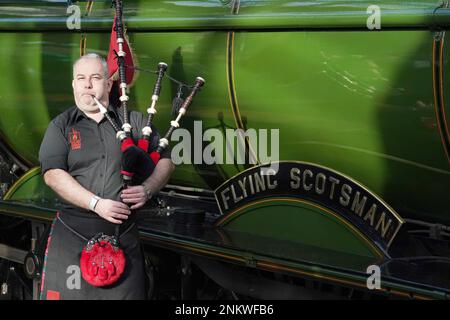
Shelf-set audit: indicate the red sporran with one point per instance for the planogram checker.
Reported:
(102, 261)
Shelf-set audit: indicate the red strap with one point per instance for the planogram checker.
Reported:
(143, 144)
(128, 142)
(155, 157)
(126, 173)
(112, 61)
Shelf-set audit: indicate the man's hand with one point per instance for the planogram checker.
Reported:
(137, 195)
(112, 210)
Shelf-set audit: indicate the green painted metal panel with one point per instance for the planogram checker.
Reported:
(214, 14)
(31, 188)
(39, 72)
(360, 103)
(188, 56)
(22, 97)
(303, 223)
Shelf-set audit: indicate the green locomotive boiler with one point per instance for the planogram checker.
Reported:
(350, 96)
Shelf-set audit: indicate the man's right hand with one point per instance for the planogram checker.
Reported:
(112, 210)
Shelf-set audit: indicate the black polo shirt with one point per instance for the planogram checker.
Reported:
(89, 151)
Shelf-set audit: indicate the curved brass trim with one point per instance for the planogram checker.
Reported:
(446, 134)
(83, 39)
(12, 154)
(271, 266)
(235, 6)
(82, 45)
(89, 6)
(444, 116)
(231, 83)
(438, 92)
(376, 251)
(196, 249)
(232, 92)
(23, 214)
(25, 177)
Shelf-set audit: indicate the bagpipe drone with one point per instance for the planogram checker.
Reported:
(102, 260)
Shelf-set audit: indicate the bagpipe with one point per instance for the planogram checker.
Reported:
(102, 260)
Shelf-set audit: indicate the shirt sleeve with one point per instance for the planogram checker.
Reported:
(54, 149)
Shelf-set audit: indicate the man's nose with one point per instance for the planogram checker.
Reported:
(87, 83)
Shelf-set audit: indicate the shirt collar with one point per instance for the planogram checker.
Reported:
(112, 111)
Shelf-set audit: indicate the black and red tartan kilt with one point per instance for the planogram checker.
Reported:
(61, 276)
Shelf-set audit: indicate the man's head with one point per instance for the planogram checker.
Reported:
(91, 78)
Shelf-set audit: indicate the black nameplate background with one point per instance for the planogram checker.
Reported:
(322, 196)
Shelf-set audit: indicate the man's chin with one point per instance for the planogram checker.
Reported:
(87, 107)
(87, 100)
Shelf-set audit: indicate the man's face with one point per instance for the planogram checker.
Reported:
(89, 80)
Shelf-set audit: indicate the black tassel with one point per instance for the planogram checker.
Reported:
(177, 101)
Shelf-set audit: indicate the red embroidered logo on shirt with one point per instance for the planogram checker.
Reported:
(75, 139)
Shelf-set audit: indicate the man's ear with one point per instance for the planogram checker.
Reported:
(73, 84)
(110, 83)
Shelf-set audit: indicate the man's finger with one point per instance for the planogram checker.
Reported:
(120, 216)
(132, 195)
(133, 200)
(121, 210)
(132, 189)
(114, 220)
(120, 206)
(137, 205)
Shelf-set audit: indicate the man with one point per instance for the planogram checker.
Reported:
(80, 159)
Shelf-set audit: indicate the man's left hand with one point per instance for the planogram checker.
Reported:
(136, 195)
